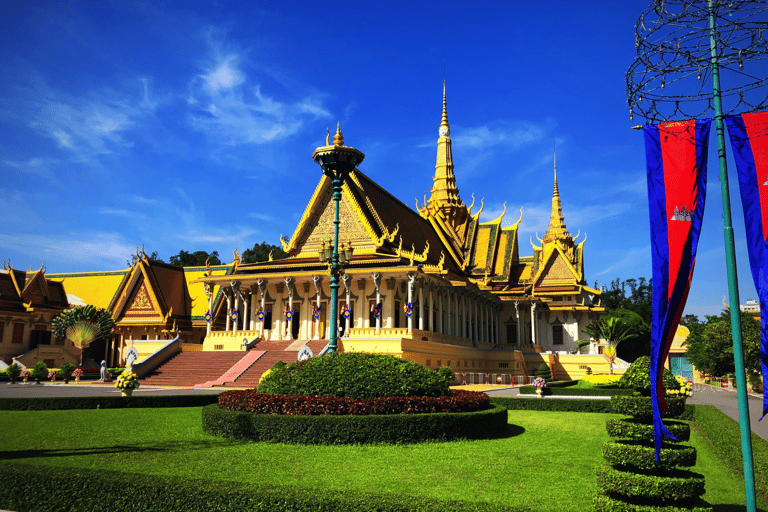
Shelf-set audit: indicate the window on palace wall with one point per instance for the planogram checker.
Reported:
(143, 336)
(2, 331)
(50, 363)
(268, 316)
(371, 318)
(18, 333)
(397, 314)
(557, 334)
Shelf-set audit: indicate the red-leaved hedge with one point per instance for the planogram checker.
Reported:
(259, 403)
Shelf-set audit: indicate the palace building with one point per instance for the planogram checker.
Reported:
(434, 285)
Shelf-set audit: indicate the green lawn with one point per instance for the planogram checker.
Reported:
(547, 462)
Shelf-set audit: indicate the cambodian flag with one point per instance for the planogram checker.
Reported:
(749, 140)
(676, 158)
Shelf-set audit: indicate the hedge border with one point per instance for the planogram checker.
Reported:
(672, 485)
(606, 503)
(367, 429)
(628, 428)
(641, 456)
(105, 402)
(54, 489)
(640, 406)
(567, 391)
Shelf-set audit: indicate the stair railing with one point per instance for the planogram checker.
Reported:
(157, 358)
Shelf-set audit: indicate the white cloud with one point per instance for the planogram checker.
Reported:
(629, 260)
(230, 106)
(38, 166)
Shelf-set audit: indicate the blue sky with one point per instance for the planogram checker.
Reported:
(190, 125)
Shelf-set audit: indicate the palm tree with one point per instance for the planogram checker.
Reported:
(613, 331)
(82, 333)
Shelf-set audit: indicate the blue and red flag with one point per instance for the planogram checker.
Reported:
(676, 159)
(749, 140)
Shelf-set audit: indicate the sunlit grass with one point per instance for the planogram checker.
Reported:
(547, 461)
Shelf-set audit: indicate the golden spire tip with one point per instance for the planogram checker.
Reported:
(338, 139)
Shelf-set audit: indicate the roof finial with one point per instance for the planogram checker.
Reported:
(554, 149)
(445, 128)
(338, 139)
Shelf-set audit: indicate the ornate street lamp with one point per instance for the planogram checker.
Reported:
(337, 161)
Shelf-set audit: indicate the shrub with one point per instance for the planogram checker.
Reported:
(104, 402)
(13, 371)
(39, 371)
(674, 485)
(553, 390)
(640, 406)
(351, 429)
(642, 431)
(589, 370)
(637, 454)
(544, 372)
(638, 377)
(357, 375)
(552, 404)
(260, 403)
(66, 370)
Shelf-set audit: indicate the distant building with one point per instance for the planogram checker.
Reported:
(752, 306)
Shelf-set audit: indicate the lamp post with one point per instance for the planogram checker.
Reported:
(337, 161)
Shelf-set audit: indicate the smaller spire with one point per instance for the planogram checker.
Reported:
(556, 229)
(338, 139)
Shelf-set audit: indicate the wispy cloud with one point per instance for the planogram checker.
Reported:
(230, 106)
(629, 259)
(97, 124)
(43, 167)
(89, 248)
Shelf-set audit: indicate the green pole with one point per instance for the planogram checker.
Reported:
(333, 310)
(733, 283)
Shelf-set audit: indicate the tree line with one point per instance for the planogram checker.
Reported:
(259, 252)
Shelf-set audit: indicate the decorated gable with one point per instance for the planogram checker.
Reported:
(556, 271)
(141, 304)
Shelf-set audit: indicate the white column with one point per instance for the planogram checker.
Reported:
(249, 310)
(317, 280)
(431, 316)
(347, 279)
(377, 283)
(229, 313)
(533, 323)
(411, 279)
(262, 290)
(210, 307)
(517, 326)
(440, 311)
(421, 306)
(289, 323)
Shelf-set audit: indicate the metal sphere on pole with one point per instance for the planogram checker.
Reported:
(337, 161)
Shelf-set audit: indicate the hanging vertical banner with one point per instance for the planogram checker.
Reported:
(676, 159)
(749, 140)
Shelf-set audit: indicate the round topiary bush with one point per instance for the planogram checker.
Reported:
(639, 430)
(544, 372)
(356, 375)
(638, 377)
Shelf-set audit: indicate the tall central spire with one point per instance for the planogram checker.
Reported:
(556, 229)
(444, 194)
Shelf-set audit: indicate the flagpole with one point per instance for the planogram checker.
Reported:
(733, 283)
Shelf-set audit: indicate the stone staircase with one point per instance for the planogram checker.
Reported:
(197, 368)
(190, 368)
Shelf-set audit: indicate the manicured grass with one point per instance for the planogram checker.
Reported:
(547, 462)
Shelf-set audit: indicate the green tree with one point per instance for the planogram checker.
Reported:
(632, 294)
(261, 252)
(614, 331)
(195, 259)
(134, 258)
(710, 344)
(83, 324)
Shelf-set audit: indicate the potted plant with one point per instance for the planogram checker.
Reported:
(39, 371)
(539, 383)
(66, 372)
(13, 372)
(25, 375)
(127, 382)
(77, 374)
(52, 375)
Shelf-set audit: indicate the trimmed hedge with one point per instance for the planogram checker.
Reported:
(260, 403)
(327, 429)
(567, 391)
(605, 503)
(105, 402)
(671, 486)
(637, 455)
(640, 406)
(54, 489)
(356, 375)
(641, 431)
(552, 404)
